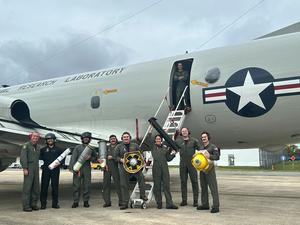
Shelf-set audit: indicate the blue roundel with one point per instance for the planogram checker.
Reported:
(250, 92)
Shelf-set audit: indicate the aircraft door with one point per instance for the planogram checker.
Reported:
(179, 80)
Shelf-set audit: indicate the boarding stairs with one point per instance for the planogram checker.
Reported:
(175, 119)
(172, 124)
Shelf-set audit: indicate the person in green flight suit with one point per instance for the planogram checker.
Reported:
(84, 174)
(181, 79)
(121, 149)
(160, 171)
(187, 147)
(208, 178)
(111, 170)
(29, 160)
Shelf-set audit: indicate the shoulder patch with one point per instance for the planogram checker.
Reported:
(25, 146)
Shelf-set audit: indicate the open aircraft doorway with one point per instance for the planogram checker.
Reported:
(179, 83)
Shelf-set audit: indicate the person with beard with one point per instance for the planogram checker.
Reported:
(121, 149)
(84, 174)
(111, 170)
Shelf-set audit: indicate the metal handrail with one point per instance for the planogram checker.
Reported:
(157, 111)
(176, 109)
(183, 93)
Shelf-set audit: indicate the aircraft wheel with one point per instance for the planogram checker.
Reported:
(144, 206)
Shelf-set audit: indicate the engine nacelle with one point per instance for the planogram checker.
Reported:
(16, 110)
(4, 163)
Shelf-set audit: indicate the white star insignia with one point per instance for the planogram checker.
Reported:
(249, 92)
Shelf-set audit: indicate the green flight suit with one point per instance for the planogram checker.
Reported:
(160, 171)
(112, 171)
(181, 80)
(84, 174)
(209, 179)
(29, 159)
(120, 150)
(186, 151)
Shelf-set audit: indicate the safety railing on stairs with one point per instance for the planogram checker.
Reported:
(155, 115)
(173, 113)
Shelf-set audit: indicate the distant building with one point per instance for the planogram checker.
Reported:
(239, 157)
(245, 157)
(233, 157)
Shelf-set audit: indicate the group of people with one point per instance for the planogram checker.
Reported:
(161, 154)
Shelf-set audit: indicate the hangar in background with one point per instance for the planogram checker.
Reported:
(250, 157)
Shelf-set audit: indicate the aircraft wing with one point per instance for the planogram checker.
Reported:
(285, 30)
(13, 135)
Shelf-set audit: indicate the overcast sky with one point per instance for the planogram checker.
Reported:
(43, 39)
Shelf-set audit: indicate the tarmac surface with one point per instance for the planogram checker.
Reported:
(245, 198)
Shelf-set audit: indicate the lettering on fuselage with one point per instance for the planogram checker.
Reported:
(95, 75)
(38, 84)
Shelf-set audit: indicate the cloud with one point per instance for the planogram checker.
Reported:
(30, 47)
(22, 61)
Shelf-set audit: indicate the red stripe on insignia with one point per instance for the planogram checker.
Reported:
(287, 86)
(215, 94)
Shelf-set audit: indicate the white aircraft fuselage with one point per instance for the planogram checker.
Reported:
(254, 103)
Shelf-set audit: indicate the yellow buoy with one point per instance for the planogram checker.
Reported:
(133, 162)
(201, 162)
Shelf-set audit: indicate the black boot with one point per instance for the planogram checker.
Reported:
(27, 209)
(55, 206)
(86, 204)
(172, 206)
(214, 210)
(75, 205)
(202, 207)
(106, 205)
(124, 207)
(183, 203)
(35, 208)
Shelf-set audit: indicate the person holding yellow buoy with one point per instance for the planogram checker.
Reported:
(208, 175)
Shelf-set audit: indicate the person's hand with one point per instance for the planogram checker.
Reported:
(176, 134)
(100, 161)
(207, 155)
(25, 172)
(173, 152)
(122, 160)
(110, 157)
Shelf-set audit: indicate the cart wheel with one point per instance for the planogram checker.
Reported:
(131, 205)
(144, 206)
